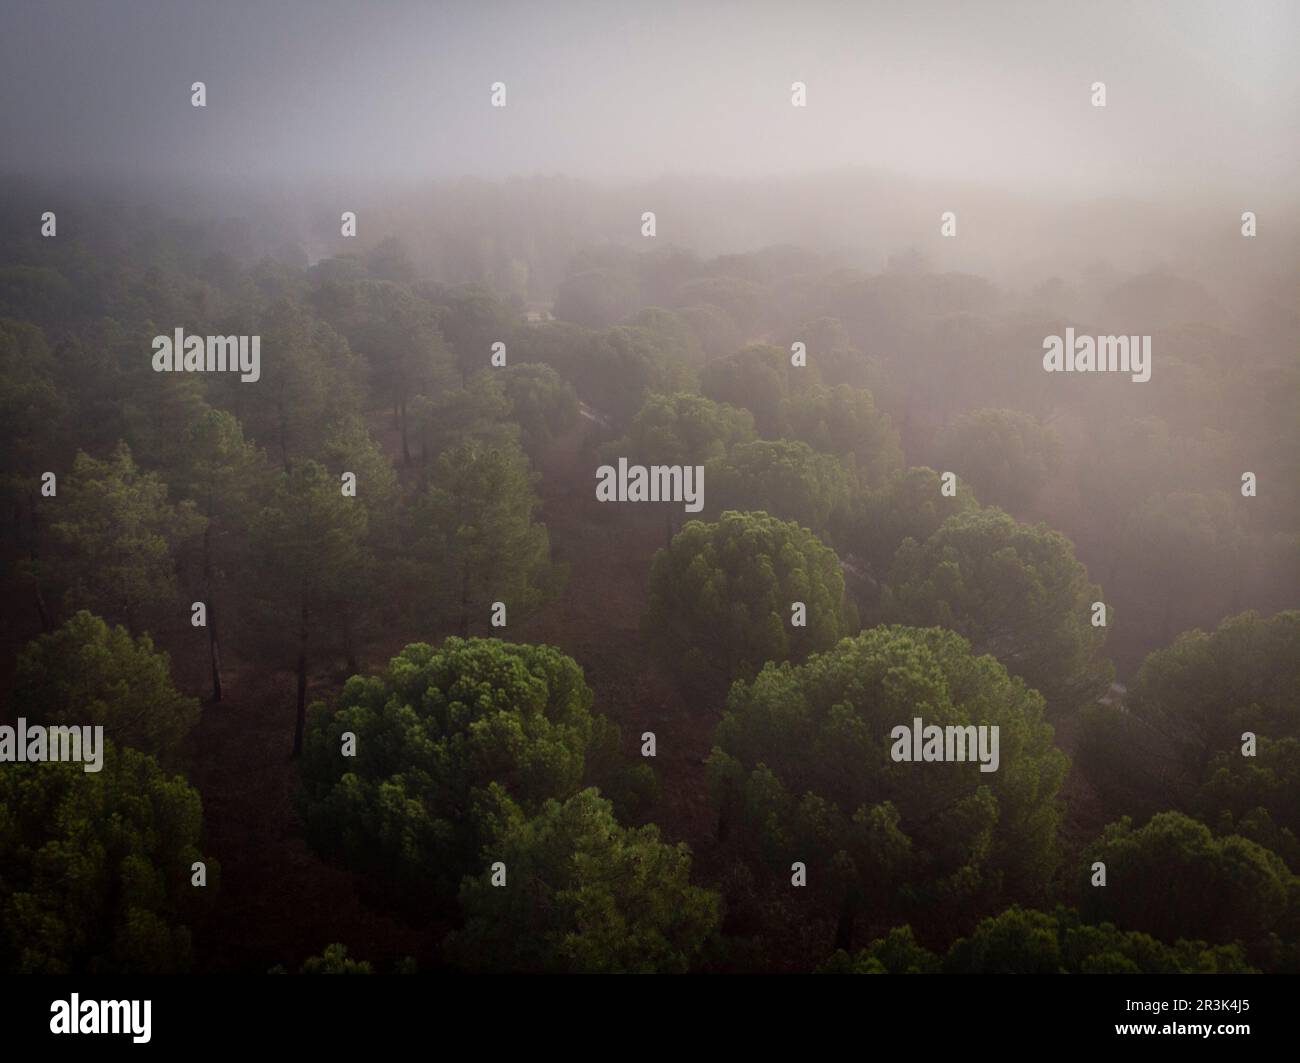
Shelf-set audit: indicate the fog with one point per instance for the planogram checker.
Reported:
(1201, 96)
(760, 381)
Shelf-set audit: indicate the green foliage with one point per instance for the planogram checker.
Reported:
(311, 543)
(541, 403)
(479, 412)
(896, 953)
(909, 505)
(674, 329)
(596, 298)
(760, 379)
(334, 960)
(95, 867)
(475, 539)
(1173, 878)
(434, 734)
(1025, 941)
(681, 429)
(627, 364)
(583, 894)
(789, 401)
(1020, 941)
(88, 673)
(214, 466)
(613, 370)
(31, 407)
(743, 299)
(472, 319)
(1177, 742)
(397, 334)
(117, 532)
(832, 349)
(1257, 797)
(714, 329)
(1205, 689)
(844, 421)
(1182, 559)
(1017, 592)
(802, 770)
(1007, 455)
(310, 379)
(721, 595)
(313, 560)
(787, 479)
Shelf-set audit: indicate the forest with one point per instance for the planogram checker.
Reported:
(367, 647)
(617, 488)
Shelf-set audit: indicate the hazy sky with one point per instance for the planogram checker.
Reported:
(1201, 94)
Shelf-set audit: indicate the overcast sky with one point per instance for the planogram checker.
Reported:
(1200, 94)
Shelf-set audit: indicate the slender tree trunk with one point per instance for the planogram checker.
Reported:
(300, 724)
(47, 625)
(214, 651)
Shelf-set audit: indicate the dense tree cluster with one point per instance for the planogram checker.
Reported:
(97, 867)
(1016, 592)
(188, 555)
(433, 735)
(804, 770)
(723, 598)
(1024, 941)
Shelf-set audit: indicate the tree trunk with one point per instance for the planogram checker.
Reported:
(300, 725)
(47, 625)
(214, 652)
